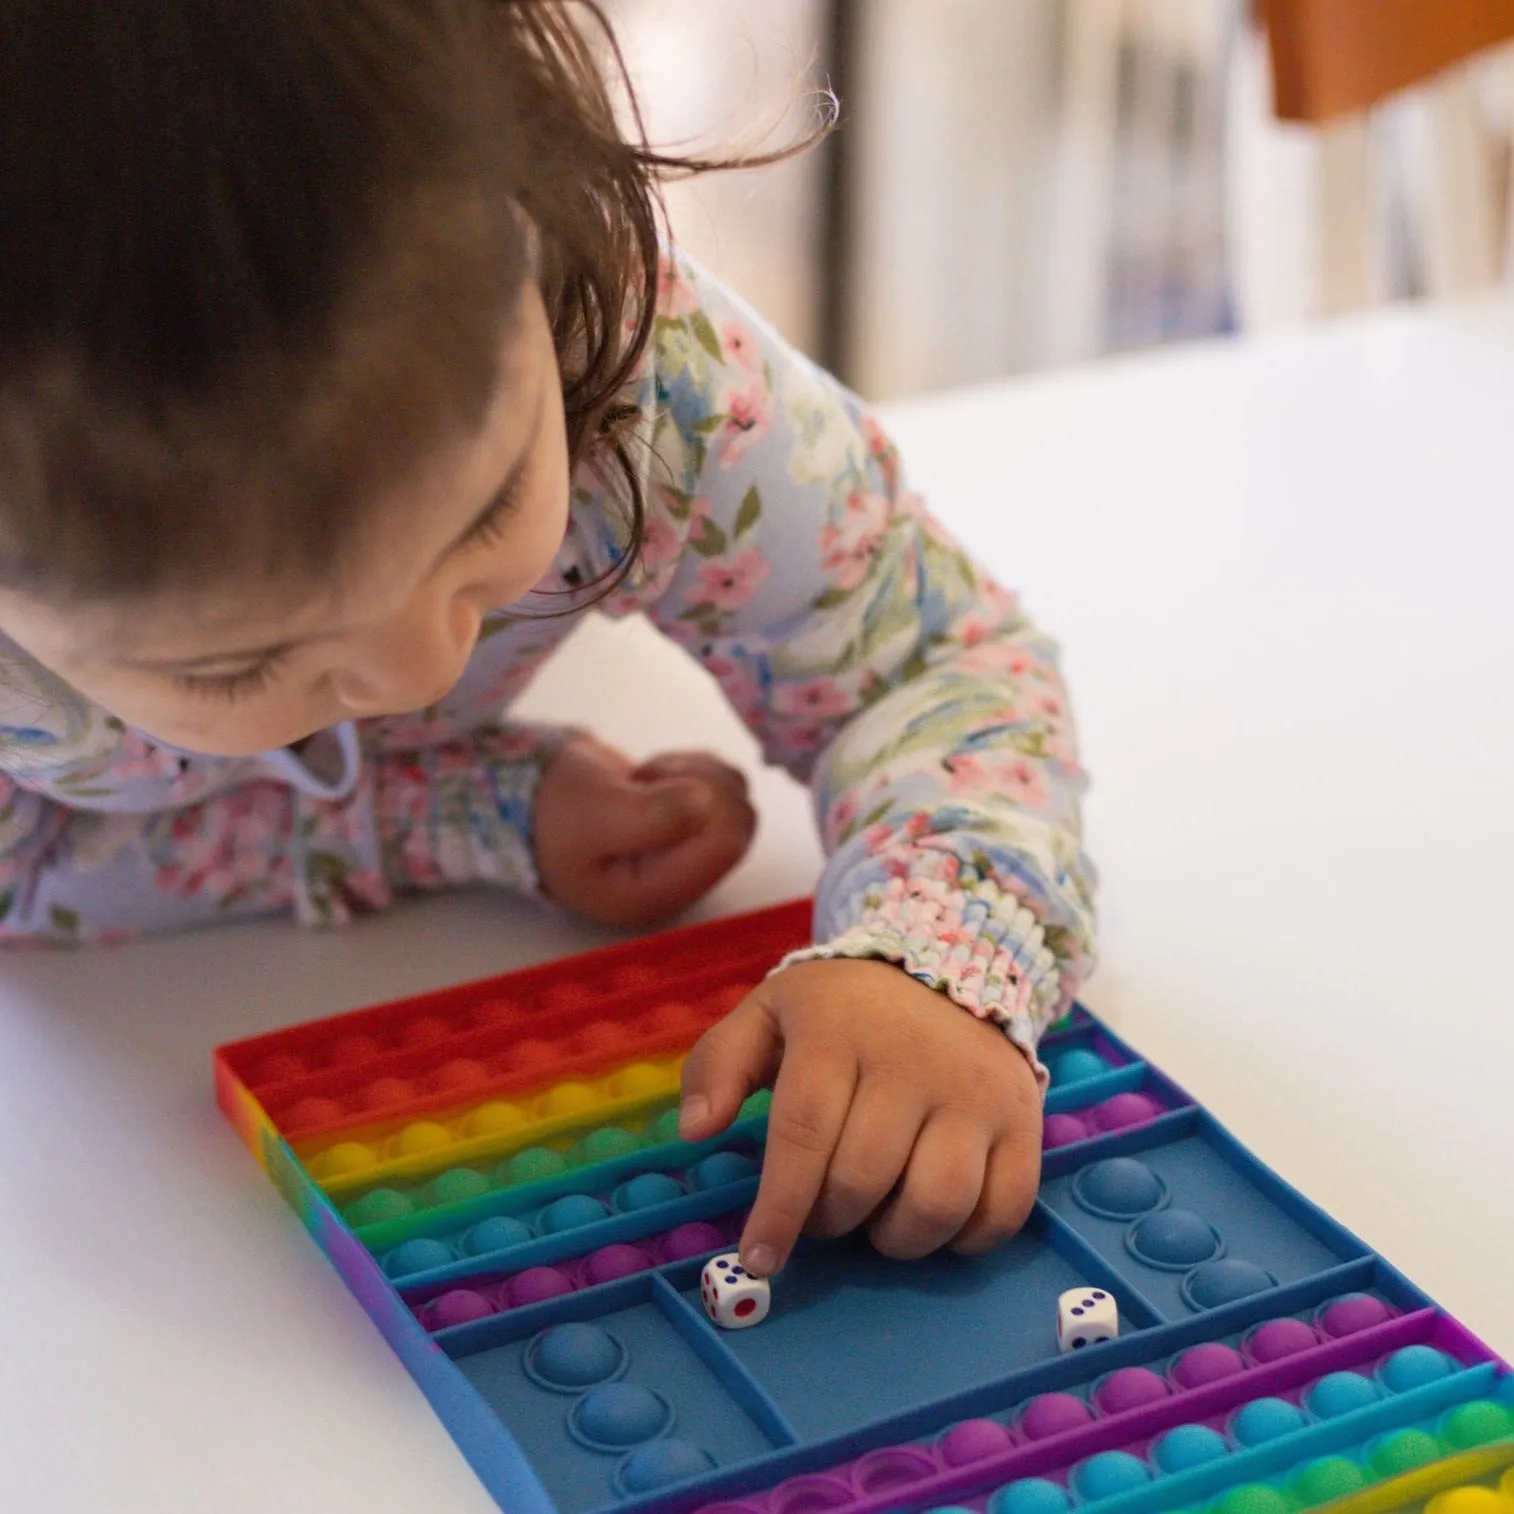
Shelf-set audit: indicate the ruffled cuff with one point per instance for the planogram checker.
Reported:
(461, 814)
(959, 933)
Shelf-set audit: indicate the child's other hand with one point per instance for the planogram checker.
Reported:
(629, 845)
(892, 1106)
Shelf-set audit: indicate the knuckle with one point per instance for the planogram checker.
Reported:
(800, 1125)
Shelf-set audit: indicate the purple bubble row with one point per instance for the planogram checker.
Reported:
(1122, 1112)
(894, 1469)
(609, 1264)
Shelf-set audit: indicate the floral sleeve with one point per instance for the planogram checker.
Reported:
(872, 656)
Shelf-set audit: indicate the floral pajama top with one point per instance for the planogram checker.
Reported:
(783, 550)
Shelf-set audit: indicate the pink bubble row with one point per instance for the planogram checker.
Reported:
(609, 1264)
(894, 1469)
(1122, 1112)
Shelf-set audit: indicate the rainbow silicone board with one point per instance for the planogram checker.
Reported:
(494, 1171)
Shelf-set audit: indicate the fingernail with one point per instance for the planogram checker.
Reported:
(694, 1111)
(761, 1259)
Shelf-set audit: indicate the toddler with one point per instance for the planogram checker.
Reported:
(342, 369)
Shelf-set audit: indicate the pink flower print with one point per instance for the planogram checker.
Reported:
(966, 773)
(972, 628)
(741, 347)
(849, 544)
(743, 690)
(843, 813)
(675, 292)
(817, 698)
(661, 543)
(748, 419)
(1020, 780)
(728, 583)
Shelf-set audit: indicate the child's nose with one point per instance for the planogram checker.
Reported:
(412, 661)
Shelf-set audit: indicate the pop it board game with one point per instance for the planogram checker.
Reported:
(495, 1173)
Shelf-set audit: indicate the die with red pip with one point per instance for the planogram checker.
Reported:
(732, 1297)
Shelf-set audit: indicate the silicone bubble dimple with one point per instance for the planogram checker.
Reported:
(1030, 1495)
(1413, 1367)
(599, 1038)
(311, 1114)
(1129, 1388)
(1325, 1480)
(1278, 1338)
(611, 1263)
(721, 1169)
(691, 1240)
(1062, 1130)
(632, 975)
(1223, 1282)
(1124, 1111)
(607, 1144)
(815, 1494)
(460, 1306)
(459, 1184)
(1208, 1362)
(538, 1284)
(571, 1213)
(637, 1080)
(493, 1012)
(884, 1473)
(663, 1131)
(346, 1159)
(571, 1358)
(536, 1164)
(379, 1206)
(498, 1233)
(532, 1055)
(1053, 1414)
(1353, 1312)
(619, 1415)
(1189, 1446)
(497, 1117)
(647, 1190)
(279, 1068)
(1340, 1393)
(756, 1105)
(1476, 1424)
(1253, 1498)
(1108, 1473)
(421, 1137)
(424, 1030)
(567, 1099)
(419, 1255)
(1402, 1451)
(353, 1050)
(1173, 1239)
(669, 1018)
(662, 1464)
(1119, 1188)
(973, 1440)
(1075, 1065)
(385, 1093)
(1265, 1419)
(459, 1075)
(571, 995)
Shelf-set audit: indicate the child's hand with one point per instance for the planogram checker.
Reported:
(628, 845)
(892, 1105)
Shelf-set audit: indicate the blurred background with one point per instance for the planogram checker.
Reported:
(1024, 184)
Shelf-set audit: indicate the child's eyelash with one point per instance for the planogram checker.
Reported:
(230, 686)
(492, 526)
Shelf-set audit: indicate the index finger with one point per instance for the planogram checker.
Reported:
(811, 1099)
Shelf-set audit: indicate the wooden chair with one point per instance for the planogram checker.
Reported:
(1365, 167)
(1335, 57)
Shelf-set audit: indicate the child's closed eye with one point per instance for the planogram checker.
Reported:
(230, 686)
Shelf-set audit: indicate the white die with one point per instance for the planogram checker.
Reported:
(732, 1297)
(1084, 1317)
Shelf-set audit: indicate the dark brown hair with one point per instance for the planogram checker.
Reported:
(257, 258)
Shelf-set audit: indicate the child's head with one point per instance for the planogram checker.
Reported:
(306, 306)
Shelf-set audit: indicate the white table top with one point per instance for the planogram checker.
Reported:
(1280, 575)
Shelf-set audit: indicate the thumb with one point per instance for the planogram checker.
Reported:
(730, 1060)
(633, 818)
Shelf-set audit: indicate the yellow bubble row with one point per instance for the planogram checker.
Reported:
(1458, 1485)
(492, 1129)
